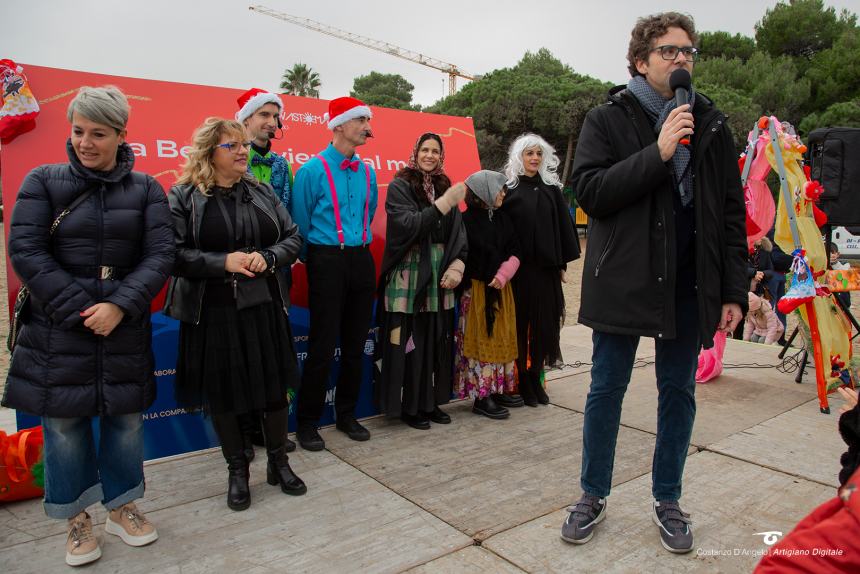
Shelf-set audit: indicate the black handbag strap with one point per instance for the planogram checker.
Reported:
(78, 200)
(255, 226)
(231, 232)
(237, 233)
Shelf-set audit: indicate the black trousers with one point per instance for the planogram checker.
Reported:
(341, 288)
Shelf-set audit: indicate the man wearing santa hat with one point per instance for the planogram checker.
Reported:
(333, 202)
(260, 113)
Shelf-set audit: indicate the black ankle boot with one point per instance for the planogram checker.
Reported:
(526, 389)
(540, 392)
(227, 427)
(278, 471)
(507, 401)
(488, 407)
(238, 491)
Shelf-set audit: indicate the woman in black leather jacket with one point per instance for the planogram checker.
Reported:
(236, 353)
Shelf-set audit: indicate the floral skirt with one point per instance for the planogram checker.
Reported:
(474, 378)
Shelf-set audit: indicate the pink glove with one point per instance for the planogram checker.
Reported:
(507, 270)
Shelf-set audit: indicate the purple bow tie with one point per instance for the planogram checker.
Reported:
(353, 165)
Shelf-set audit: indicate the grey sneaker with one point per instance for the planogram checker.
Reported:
(578, 528)
(676, 531)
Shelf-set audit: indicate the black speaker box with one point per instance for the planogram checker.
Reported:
(834, 158)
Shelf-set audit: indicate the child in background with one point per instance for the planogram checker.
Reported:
(838, 265)
(486, 337)
(761, 324)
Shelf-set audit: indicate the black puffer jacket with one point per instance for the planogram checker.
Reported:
(59, 367)
(194, 266)
(628, 282)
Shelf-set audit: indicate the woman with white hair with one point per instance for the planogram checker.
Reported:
(548, 242)
(92, 241)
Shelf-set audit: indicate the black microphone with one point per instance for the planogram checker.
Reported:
(679, 82)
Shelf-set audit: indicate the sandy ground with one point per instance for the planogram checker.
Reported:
(573, 286)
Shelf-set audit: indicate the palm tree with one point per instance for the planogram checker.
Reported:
(300, 80)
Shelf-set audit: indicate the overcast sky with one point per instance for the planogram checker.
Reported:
(222, 43)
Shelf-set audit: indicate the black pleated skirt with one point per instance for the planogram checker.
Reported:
(237, 361)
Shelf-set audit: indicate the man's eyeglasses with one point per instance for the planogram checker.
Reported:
(670, 52)
(234, 146)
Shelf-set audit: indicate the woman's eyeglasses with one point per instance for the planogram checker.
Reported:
(233, 147)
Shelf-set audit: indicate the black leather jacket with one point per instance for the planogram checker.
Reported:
(194, 266)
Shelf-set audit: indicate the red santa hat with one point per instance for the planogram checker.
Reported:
(341, 110)
(253, 100)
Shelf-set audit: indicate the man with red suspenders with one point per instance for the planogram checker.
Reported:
(333, 202)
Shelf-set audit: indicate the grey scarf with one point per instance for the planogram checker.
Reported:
(658, 108)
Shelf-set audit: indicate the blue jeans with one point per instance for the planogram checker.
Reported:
(78, 475)
(612, 363)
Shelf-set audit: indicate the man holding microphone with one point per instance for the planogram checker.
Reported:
(666, 259)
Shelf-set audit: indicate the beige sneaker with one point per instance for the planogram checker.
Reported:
(129, 524)
(82, 546)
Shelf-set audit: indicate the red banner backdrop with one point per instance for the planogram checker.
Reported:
(164, 114)
(163, 117)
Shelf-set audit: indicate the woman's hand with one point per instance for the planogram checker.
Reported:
(451, 198)
(241, 262)
(256, 262)
(102, 318)
(453, 275)
(456, 193)
(850, 396)
(495, 283)
(562, 275)
(450, 279)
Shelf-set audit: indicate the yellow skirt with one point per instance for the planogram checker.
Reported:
(502, 346)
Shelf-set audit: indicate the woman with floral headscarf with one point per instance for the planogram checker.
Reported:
(424, 259)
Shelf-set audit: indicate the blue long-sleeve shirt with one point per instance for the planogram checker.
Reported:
(312, 208)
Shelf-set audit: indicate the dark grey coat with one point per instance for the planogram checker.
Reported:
(59, 367)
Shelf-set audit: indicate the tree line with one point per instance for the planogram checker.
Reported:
(802, 65)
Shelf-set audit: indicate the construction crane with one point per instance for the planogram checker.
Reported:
(452, 70)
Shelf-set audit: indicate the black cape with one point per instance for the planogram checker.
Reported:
(542, 218)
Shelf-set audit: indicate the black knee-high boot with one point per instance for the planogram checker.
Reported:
(249, 423)
(278, 470)
(525, 386)
(232, 446)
